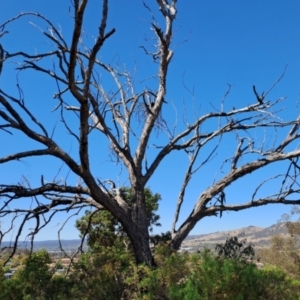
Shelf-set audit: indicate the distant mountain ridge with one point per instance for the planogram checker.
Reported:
(258, 236)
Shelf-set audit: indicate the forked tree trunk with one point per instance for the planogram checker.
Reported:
(182, 233)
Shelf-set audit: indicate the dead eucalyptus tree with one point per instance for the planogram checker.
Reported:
(127, 117)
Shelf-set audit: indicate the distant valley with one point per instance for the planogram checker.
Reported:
(258, 236)
(70, 246)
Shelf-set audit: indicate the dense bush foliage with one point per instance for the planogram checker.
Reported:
(112, 274)
(108, 269)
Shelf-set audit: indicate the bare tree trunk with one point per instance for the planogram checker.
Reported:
(141, 246)
(140, 240)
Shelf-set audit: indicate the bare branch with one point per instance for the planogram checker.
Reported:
(101, 103)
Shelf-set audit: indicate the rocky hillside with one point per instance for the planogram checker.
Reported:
(260, 237)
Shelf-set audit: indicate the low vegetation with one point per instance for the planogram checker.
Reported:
(284, 251)
(113, 274)
(108, 269)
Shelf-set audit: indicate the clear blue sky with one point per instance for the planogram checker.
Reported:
(215, 43)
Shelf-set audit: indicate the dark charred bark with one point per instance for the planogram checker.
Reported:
(141, 240)
(141, 247)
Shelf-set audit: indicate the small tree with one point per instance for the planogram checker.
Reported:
(234, 248)
(99, 102)
(104, 230)
(35, 277)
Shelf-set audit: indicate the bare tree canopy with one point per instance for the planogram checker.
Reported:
(101, 104)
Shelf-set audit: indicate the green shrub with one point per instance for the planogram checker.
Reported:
(205, 277)
(113, 274)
